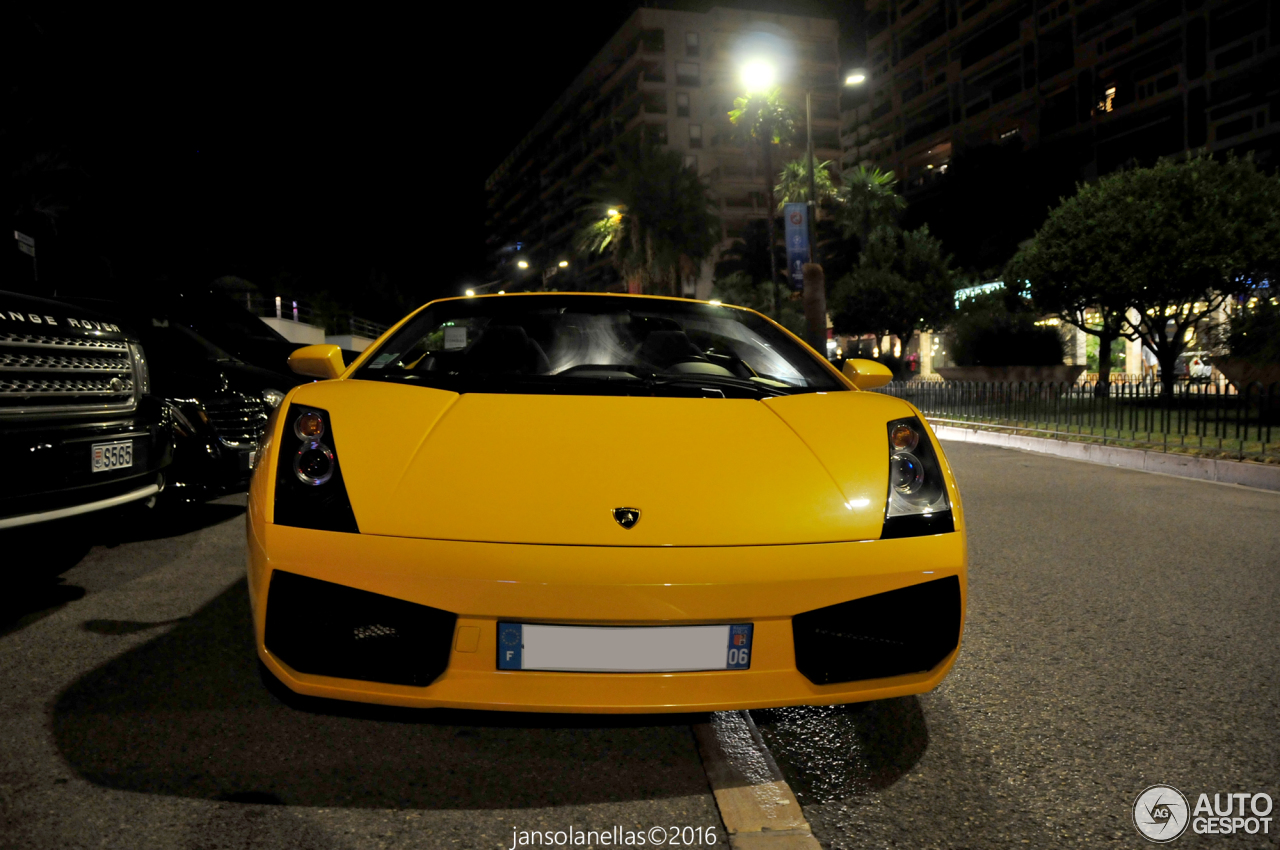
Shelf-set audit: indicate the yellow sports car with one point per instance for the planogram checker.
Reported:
(601, 503)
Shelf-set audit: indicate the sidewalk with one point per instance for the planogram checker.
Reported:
(1260, 475)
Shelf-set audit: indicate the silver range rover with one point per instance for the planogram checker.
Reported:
(79, 430)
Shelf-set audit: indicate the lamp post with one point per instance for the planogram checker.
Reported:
(815, 285)
(758, 76)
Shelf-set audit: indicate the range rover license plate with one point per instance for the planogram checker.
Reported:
(108, 456)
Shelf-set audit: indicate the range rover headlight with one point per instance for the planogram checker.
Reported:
(917, 501)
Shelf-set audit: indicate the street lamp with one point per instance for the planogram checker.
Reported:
(524, 264)
(564, 264)
(759, 75)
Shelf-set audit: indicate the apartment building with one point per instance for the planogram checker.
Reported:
(1101, 81)
(671, 76)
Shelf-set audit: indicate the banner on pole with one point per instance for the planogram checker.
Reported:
(796, 217)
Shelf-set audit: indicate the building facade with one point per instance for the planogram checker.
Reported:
(1089, 85)
(1101, 81)
(671, 76)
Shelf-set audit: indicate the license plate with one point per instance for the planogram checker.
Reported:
(624, 649)
(108, 456)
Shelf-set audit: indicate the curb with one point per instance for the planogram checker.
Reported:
(1258, 475)
(758, 808)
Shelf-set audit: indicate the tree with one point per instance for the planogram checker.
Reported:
(793, 184)
(741, 289)
(750, 255)
(1172, 243)
(653, 216)
(904, 282)
(766, 119)
(1080, 296)
(868, 201)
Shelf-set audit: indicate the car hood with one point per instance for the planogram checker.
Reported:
(550, 469)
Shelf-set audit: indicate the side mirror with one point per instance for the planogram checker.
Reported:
(866, 374)
(318, 361)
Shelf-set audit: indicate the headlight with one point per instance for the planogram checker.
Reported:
(272, 397)
(917, 502)
(310, 492)
(142, 370)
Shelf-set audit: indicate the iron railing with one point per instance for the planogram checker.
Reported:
(1204, 418)
(301, 311)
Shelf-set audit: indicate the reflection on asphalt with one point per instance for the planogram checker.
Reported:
(845, 751)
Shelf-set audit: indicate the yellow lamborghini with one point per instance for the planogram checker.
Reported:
(601, 503)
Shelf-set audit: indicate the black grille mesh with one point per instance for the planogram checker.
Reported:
(329, 629)
(909, 630)
(44, 372)
(237, 418)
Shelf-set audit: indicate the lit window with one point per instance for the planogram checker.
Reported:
(695, 135)
(691, 44)
(682, 105)
(1108, 99)
(687, 73)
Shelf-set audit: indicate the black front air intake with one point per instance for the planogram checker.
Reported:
(331, 630)
(909, 630)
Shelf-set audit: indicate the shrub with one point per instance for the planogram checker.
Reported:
(1255, 333)
(988, 333)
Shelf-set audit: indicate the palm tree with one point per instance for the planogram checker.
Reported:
(793, 184)
(766, 119)
(652, 215)
(868, 201)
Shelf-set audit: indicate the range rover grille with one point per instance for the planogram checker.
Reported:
(44, 373)
(237, 418)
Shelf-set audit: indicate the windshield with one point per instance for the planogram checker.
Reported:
(597, 345)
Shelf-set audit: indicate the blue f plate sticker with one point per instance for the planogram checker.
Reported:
(510, 644)
(739, 647)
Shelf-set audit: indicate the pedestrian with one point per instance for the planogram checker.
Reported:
(1150, 364)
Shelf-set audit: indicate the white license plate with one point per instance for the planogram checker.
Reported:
(109, 456)
(624, 649)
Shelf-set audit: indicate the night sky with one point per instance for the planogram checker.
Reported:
(311, 150)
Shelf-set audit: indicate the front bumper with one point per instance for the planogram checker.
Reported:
(48, 473)
(485, 582)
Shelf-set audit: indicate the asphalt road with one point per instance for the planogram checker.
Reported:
(1123, 631)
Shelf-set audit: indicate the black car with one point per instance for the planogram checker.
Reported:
(220, 402)
(80, 430)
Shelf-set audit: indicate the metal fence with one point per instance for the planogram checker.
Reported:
(1208, 418)
(301, 311)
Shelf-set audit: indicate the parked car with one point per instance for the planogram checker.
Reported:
(80, 428)
(220, 402)
(601, 503)
(1193, 366)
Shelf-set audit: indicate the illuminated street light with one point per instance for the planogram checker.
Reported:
(564, 264)
(524, 264)
(471, 293)
(759, 75)
(856, 77)
(613, 213)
